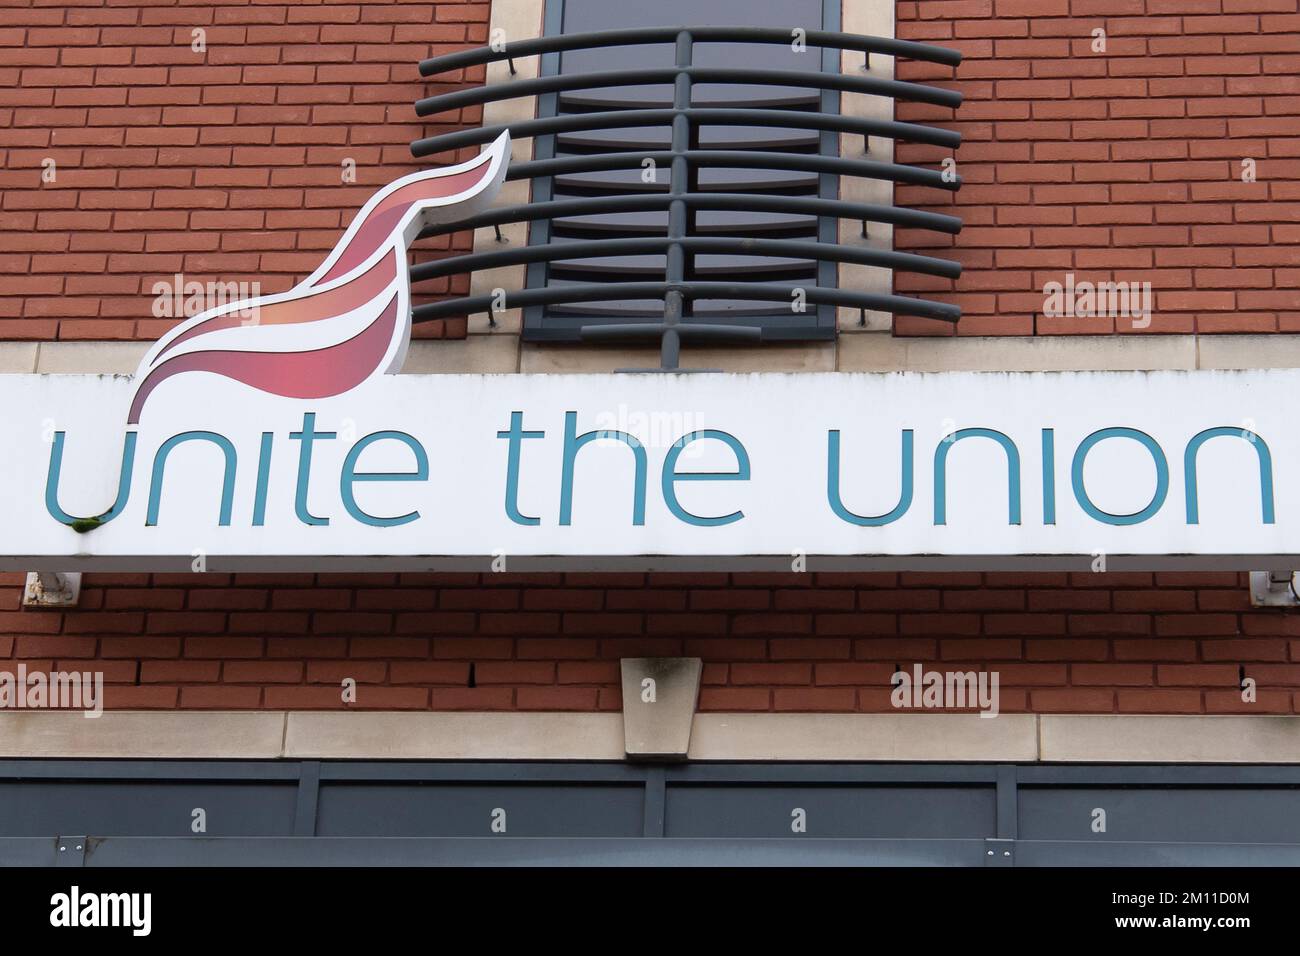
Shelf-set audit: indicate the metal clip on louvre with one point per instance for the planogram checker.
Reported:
(680, 285)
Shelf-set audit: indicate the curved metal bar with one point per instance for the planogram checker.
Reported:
(627, 119)
(909, 132)
(640, 35)
(794, 205)
(738, 159)
(602, 248)
(759, 269)
(698, 331)
(564, 82)
(756, 291)
(876, 301)
(567, 123)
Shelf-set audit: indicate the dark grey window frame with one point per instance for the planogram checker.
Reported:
(537, 326)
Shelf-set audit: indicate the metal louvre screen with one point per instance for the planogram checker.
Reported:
(679, 197)
(652, 176)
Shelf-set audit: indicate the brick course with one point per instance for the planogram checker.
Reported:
(225, 165)
(1124, 165)
(1108, 643)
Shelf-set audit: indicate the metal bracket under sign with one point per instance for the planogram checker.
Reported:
(1273, 589)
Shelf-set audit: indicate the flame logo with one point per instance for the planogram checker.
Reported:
(350, 320)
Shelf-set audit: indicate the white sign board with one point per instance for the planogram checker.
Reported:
(1035, 471)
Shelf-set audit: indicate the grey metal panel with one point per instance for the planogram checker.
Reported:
(1233, 775)
(876, 773)
(1008, 802)
(502, 851)
(840, 811)
(507, 851)
(420, 813)
(29, 851)
(1173, 814)
(144, 807)
(468, 810)
(1113, 853)
(655, 794)
(304, 815)
(61, 769)
(471, 771)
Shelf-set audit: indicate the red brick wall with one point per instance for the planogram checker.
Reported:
(1127, 643)
(1121, 165)
(227, 166)
(224, 165)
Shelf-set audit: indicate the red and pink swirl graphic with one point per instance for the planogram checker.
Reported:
(347, 322)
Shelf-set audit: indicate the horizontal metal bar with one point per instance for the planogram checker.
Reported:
(1052, 775)
(1111, 853)
(498, 851)
(694, 563)
(700, 34)
(804, 79)
(567, 328)
(735, 159)
(752, 291)
(792, 271)
(794, 205)
(879, 302)
(708, 116)
(569, 123)
(1171, 776)
(700, 332)
(533, 772)
(1187, 775)
(698, 773)
(206, 770)
(108, 851)
(835, 122)
(602, 248)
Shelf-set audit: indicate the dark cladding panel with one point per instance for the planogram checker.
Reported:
(39, 808)
(365, 809)
(273, 812)
(1162, 814)
(831, 811)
